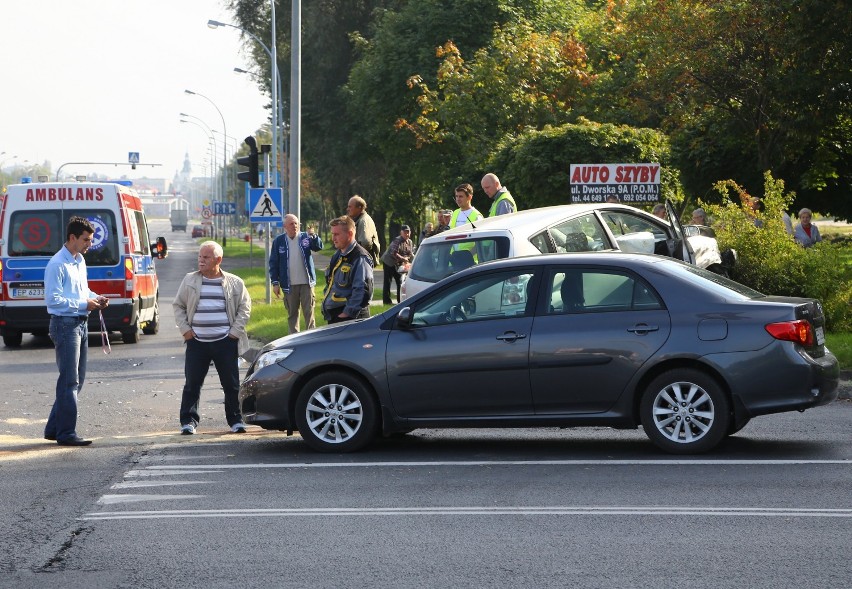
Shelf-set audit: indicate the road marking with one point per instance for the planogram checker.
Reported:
(140, 484)
(165, 468)
(128, 498)
(160, 471)
(666, 511)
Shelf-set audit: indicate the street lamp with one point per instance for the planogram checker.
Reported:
(225, 129)
(277, 109)
(210, 138)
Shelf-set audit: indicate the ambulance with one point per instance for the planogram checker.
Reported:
(120, 261)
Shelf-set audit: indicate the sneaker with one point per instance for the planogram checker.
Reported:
(238, 428)
(187, 430)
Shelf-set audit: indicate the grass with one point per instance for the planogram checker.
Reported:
(840, 345)
(269, 321)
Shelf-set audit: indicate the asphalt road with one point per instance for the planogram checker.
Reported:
(593, 507)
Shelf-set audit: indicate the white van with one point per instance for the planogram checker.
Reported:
(120, 261)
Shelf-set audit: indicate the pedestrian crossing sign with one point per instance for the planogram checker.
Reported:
(266, 205)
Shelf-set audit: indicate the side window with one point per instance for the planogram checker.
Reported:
(581, 234)
(599, 290)
(491, 296)
(143, 243)
(635, 234)
(542, 243)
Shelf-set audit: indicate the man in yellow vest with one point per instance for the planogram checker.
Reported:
(503, 202)
(466, 213)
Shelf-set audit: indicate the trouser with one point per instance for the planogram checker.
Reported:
(223, 353)
(300, 295)
(390, 273)
(70, 337)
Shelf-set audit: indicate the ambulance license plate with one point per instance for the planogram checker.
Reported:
(27, 290)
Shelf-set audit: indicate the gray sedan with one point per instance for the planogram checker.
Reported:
(605, 339)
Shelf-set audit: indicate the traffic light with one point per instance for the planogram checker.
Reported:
(250, 161)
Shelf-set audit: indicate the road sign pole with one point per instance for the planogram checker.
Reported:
(268, 243)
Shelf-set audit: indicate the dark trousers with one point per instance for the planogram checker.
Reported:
(223, 354)
(390, 273)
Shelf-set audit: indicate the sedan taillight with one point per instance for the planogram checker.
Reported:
(793, 331)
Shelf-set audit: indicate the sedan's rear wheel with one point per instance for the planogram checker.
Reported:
(685, 411)
(336, 412)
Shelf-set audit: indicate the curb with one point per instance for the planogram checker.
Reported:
(845, 386)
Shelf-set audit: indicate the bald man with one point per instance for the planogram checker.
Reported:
(291, 269)
(503, 202)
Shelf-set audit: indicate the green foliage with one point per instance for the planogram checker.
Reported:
(536, 164)
(840, 345)
(747, 86)
(770, 261)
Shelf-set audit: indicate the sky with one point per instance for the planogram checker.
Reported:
(93, 80)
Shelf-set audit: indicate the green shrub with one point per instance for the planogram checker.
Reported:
(771, 262)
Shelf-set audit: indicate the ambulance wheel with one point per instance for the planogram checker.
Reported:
(130, 336)
(153, 326)
(12, 339)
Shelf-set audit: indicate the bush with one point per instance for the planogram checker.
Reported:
(770, 261)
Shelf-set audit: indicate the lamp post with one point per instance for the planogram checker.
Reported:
(225, 129)
(275, 87)
(210, 137)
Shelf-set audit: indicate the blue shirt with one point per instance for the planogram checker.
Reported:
(66, 288)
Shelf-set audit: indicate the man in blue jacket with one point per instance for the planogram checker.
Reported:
(291, 269)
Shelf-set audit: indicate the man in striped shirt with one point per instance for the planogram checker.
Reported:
(212, 308)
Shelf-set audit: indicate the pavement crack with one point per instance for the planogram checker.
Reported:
(58, 560)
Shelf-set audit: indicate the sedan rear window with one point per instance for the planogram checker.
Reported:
(436, 261)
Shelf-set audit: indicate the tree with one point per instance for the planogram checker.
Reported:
(771, 75)
(536, 164)
(522, 79)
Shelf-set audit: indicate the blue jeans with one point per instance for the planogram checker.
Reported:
(224, 354)
(70, 337)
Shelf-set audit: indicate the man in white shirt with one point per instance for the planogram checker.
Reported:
(466, 213)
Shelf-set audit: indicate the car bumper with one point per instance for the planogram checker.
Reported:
(266, 398)
(784, 378)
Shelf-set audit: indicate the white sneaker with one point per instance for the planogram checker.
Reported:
(238, 428)
(187, 430)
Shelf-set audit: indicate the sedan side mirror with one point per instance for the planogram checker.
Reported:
(403, 318)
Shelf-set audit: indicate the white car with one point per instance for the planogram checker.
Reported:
(560, 229)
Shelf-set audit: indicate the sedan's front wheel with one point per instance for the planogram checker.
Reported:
(336, 412)
(685, 411)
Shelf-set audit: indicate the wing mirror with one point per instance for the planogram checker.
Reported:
(159, 248)
(403, 318)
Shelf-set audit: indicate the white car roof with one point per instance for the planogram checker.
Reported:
(528, 221)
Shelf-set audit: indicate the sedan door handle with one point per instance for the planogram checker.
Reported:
(511, 336)
(642, 328)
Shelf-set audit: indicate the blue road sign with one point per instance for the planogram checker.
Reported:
(224, 208)
(266, 205)
(133, 157)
